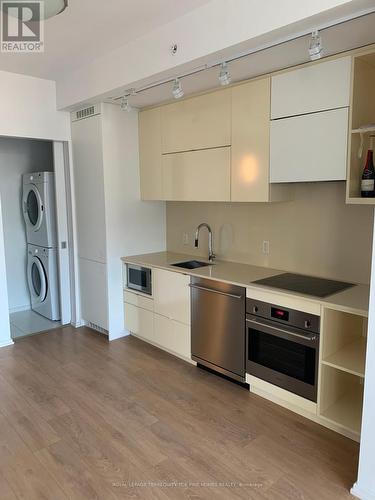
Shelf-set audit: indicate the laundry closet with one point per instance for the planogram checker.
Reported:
(28, 202)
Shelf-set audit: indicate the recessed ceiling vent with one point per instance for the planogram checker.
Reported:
(84, 113)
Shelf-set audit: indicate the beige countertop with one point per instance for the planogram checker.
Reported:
(354, 299)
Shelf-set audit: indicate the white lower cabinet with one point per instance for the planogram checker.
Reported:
(172, 335)
(171, 294)
(164, 318)
(139, 321)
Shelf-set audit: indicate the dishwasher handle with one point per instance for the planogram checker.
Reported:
(231, 295)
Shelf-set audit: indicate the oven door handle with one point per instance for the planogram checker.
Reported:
(286, 333)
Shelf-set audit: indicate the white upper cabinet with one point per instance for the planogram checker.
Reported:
(309, 148)
(250, 141)
(318, 87)
(197, 175)
(150, 154)
(197, 123)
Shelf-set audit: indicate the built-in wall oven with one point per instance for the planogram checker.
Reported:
(139, 278)
(283, 347)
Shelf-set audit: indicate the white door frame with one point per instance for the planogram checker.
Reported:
(63, 256)
(5, 338)
(66, 227)
(67, 251)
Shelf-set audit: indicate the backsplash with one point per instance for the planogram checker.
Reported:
(315, 234)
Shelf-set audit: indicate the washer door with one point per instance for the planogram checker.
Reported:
(37, 278)
(33, 207)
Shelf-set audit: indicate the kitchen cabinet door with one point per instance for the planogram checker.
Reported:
(150, 154)
(197, 175)
(171, 294)
(250, 141)
(139, 321)
(310, 148)
(317, 87)
(89, 188)
(94, 292)
(197, 123)
(172, 336)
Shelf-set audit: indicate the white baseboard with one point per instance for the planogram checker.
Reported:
(78, 324)
(120, 335)
(6, 344)
(19, 309)
(362, 493)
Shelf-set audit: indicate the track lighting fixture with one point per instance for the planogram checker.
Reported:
(125, 106)
(177, 89)
(315, 47)
(224, 75)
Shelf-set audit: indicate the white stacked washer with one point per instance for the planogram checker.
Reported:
(39, 210)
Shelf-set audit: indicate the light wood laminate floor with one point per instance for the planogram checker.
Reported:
(84, 419)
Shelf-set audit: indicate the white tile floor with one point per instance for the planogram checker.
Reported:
(25, 323)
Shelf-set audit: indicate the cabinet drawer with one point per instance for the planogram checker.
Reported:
(139, 321)
(172, 336)
(197, 123)
(197, 175)
(172, 295)
(138, 300)
(318, 87)
(309, 148)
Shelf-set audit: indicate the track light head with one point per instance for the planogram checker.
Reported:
(315, 47)
(125, 106)
(177, 90)
(224, 75)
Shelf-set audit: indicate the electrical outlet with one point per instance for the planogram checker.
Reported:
(266, 247)
(185, 238)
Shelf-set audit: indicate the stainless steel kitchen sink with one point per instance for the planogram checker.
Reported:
(192, 264)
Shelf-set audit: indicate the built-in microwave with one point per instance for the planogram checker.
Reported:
(139, 278)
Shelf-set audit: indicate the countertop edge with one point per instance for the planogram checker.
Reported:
(328, 303)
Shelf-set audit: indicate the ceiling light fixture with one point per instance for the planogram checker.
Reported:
(49, 8)
(54, 7)
(315, 47)
(224, 75)
(177, 89)
(125, 106)
(315, 52)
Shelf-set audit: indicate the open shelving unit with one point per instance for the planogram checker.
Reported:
(342, 361)
(362, 112)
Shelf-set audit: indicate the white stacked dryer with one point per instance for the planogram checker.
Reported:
(39, 210)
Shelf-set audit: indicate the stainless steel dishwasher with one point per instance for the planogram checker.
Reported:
(218, 313)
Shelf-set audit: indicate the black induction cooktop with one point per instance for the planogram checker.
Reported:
(307, 285)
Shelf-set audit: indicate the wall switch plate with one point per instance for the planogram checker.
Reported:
(185, 238)
(266, 247)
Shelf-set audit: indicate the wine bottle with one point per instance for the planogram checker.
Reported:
(368, 174)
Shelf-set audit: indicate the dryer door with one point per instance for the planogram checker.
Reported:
(33, 207)
(37, 278)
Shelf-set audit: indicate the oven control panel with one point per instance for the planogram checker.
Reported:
(291, 317)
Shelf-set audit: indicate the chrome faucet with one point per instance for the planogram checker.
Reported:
(211, 255)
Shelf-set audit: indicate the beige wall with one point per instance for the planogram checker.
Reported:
(315, 234)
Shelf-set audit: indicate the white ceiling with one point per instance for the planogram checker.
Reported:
(342, 37)
(90, 28)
